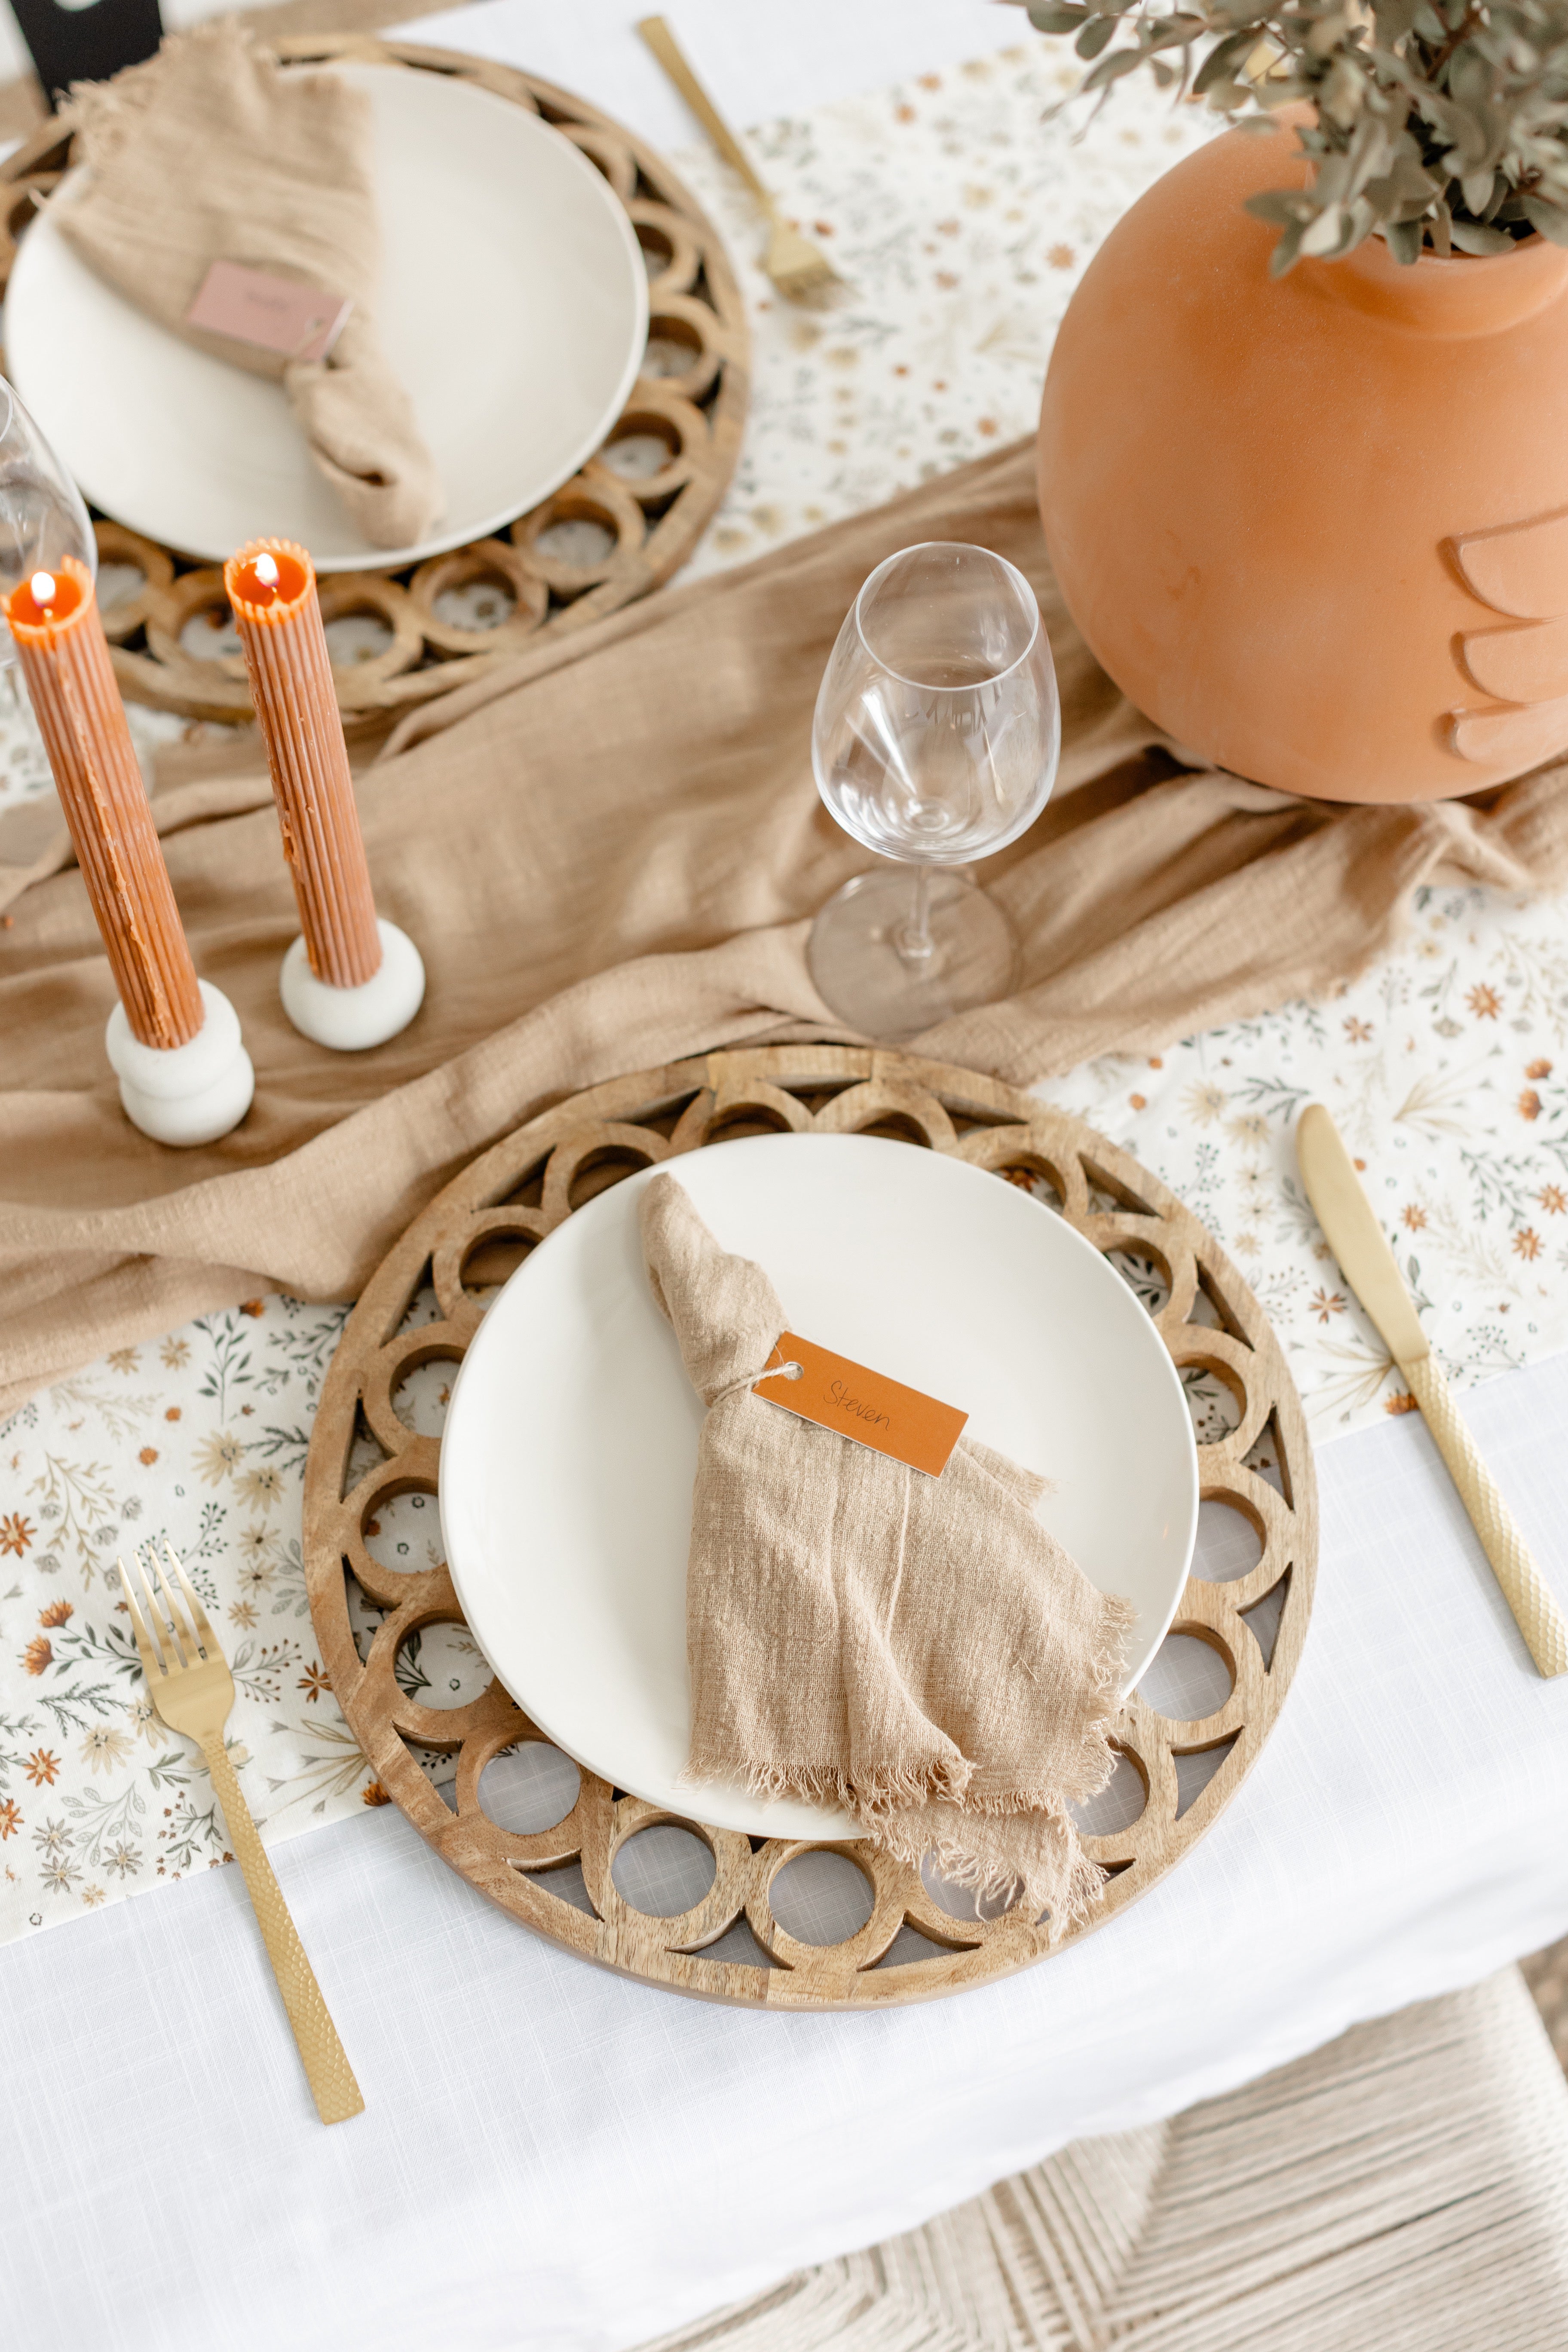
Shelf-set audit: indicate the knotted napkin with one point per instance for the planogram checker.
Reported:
(920, 1651)
(210, 152)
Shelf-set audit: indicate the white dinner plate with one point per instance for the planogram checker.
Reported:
(513, 307)
(571, 1440)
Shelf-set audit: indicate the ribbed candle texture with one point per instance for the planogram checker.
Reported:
(65, 659)
(285, 647)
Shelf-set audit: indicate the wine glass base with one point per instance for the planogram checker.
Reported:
(857, 967)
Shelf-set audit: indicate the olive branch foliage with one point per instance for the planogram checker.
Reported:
(1437, 124)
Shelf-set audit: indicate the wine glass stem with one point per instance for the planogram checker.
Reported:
(914, 942)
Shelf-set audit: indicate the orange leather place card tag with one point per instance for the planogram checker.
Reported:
(866, 1406)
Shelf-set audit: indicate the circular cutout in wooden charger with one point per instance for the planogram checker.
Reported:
(622, 525)
(364, 1453)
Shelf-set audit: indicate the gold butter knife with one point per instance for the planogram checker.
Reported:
(1368, 1266)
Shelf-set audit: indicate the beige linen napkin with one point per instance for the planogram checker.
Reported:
(609, 857)
(211, 152)
(917, 1650)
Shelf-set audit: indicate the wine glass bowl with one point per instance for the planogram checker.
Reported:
(935, 741)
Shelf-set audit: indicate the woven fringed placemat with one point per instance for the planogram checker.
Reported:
(423, 1306)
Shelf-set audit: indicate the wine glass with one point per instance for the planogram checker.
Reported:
(936, 738)
(42, 517)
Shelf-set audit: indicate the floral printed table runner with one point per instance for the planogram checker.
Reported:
(964, 220)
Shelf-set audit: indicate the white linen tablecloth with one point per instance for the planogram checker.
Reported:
(554, 2158)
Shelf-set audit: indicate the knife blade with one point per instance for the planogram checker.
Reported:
(1353, 1233)
(1369, 1266)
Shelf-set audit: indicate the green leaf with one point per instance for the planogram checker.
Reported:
(1470, 237)
(1325, 35)
(1111, 68)
(1287, 252)
(1094, 35)
(1223, 55)
(1552, 220)
(1403, 240)
(1329, 234)
(1279, 206)
(1394, 19)
(1052, 17)
(1406, 187)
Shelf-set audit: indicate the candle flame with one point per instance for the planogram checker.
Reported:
(42, 585)
(266, 571)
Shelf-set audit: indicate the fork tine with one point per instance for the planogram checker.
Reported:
(164, 1640)
(184, 1640)
(152, 1662)
(205, 1633)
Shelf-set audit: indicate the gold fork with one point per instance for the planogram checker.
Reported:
(801, 273)
(191, 1686)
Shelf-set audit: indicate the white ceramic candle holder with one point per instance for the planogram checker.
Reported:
(185, 1093)
(351, 1019)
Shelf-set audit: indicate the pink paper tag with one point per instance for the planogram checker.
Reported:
(278, 314)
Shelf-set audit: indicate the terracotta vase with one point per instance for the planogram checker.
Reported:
(1316, 526)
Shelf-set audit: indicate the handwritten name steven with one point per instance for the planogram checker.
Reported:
(855, 1406)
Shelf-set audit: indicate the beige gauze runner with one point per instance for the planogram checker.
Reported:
(917, 1650)
(609, 854)
(212, 152)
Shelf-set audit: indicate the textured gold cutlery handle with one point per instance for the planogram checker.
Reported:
(332, 2079)
(1539, 1617)
(668, 50)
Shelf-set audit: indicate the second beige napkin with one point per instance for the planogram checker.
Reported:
(211, 152)
(920, 1651)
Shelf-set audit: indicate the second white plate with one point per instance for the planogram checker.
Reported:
(513, 307)
(571, 1440)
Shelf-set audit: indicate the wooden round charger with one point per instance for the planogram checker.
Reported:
(524, 1188)
(645, 496)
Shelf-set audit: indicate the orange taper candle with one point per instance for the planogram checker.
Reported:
(70, 683)
(271, 586)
